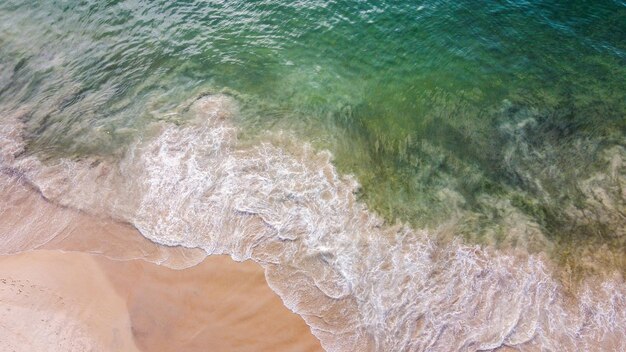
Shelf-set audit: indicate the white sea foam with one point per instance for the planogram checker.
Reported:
(360, 284)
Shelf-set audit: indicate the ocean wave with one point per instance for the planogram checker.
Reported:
(359, 283)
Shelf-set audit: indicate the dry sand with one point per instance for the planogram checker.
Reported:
(70, 281)
(70, 301)
(54, 301)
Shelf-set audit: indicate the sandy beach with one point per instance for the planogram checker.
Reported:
(69, 301)
(84, 283)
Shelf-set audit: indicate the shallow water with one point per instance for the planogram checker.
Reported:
(203, 124)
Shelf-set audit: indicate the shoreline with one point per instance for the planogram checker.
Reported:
(357, 282)
(120, 287)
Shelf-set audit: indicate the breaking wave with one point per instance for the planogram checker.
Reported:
(360, 284)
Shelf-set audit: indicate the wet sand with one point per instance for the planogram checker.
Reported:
(219, 305)
(76, 284)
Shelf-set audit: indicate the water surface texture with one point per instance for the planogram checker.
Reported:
(492, 123)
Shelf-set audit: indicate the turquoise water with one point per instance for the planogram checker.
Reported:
(485, 116)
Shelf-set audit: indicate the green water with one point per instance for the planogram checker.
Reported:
(465, 112)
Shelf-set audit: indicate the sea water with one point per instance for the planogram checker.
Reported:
(412, 175)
